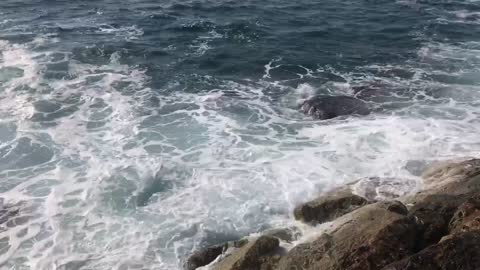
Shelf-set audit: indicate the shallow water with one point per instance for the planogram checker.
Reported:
(133, 133)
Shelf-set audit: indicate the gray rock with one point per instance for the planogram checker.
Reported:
(327, 107)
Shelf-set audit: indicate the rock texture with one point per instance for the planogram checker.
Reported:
(454, 178)
(460, 252)
(440, 229)
(447, 186)
(466, 217)
(286, 234)
(327, 107)
(368, 238)
(329, 206)
(258, 254)
(434, 213)
(204, 257)
(207, 255)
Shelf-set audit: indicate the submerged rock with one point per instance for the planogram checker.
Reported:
(367, 238)
(416, 167)
(257, 254)
(461, 251)
(327, 107)
(329, 206)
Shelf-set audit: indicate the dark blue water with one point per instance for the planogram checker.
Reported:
(134, 132)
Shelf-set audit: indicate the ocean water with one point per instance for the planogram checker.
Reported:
(134, 132)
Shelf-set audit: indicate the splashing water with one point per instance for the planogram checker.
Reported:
(126, 143)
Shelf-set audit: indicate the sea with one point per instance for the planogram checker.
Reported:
(135, 132)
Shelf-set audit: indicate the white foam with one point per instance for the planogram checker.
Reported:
(225, 164)
(269, 67)
(305, 90)
(132, 32)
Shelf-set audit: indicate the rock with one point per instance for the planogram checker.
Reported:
(258, 254)
(447, 186)
(204, 257)
(285, 234)
(453, 177)
(434, 213)
(467, 217)
(384, 95)
(329, 206)
(207, 255)
(461, 251)
(327, 107)
(367, 238)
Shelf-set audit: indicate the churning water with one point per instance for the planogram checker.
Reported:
(133, 132)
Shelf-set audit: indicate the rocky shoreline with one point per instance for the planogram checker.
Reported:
(437, 227)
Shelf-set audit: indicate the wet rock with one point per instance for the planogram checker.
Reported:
(367, 238)
(207, 255)
(257, 254)
(453, 177)
(204, 257)
(285, 234)
(327, 107)
(461, 251)
(329, 206)
(434, 213)
(466, 217)
(447, 186)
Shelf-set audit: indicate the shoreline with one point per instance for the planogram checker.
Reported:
(434, 227)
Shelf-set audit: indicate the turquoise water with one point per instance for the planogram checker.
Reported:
(133, 133)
